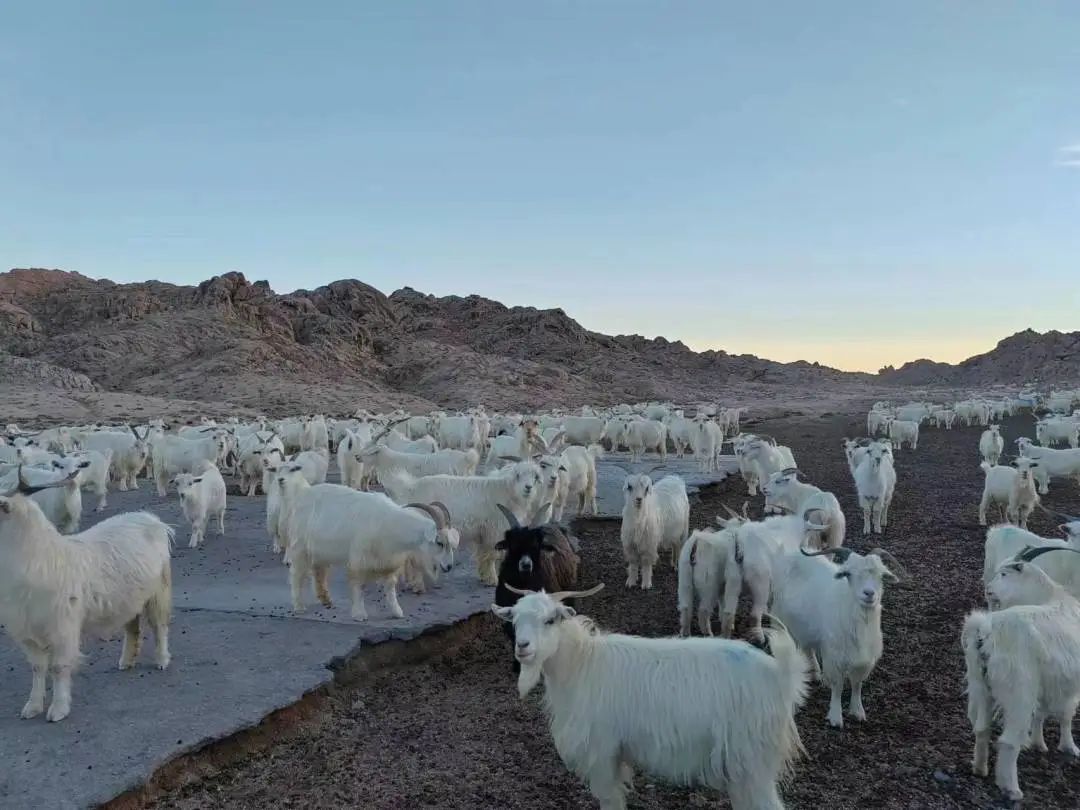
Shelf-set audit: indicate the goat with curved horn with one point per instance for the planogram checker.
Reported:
(892, 562)
(1029, 553)
(443, 508)
(511, 518)
(431, 511)
(839, 554)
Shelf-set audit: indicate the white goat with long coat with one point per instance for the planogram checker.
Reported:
(833, 611)
(709, 712)
(655, 517)
(53, 589)
(1023, 664)
(365, 533)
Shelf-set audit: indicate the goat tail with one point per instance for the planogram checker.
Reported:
(792, 669)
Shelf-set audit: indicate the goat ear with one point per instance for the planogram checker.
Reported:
(504, 613)
(566, 612)
(889, 576)
(502, 545)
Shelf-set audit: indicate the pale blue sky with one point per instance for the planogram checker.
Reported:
(855, 183)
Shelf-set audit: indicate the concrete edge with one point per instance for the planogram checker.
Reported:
(209, 756)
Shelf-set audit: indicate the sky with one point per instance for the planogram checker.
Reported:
(858, 184)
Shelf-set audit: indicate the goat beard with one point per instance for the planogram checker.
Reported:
(528, 678)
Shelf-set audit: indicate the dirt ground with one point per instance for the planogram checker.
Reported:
(452, 733)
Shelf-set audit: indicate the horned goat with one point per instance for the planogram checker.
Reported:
(679, 709)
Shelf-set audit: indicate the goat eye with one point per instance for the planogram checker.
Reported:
(550, 621)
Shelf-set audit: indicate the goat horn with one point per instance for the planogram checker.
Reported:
(430, 511)
(518, 591)
(732, 512)
(511, 518)
(790, 471)
(840, 551)
(514, 459)
(894, 564)
(538, 512)
(442, 508)
(562, 596)
(1029, 553)
(28, 489)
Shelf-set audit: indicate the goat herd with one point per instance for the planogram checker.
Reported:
(717, 712)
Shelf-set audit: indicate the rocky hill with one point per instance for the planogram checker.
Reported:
(337, 347)
(346, 344)
(1028, 357)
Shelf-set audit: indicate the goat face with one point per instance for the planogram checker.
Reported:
(638, 489)
(536, 639)
(523, 547)
(866, 577)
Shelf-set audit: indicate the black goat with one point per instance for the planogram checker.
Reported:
(537, 558)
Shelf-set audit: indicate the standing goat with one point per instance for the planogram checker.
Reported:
(708, 712)
(655, 517)
(53, 589)
(1023, 663)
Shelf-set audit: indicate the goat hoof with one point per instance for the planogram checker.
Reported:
(57, 713)
(31, 710)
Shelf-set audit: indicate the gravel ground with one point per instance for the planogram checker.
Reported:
(452, 733)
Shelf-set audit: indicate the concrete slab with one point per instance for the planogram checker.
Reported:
(238, 654)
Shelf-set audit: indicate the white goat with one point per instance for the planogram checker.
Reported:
(1052, 463)
(1012, 488)
(383, 461)
(580, 463)
(474, 502)
(760, 457)
(202, 497)
(833, 611)
(785, 492)
(875, 485)
(95, 477)
(53, 589)
(655, 517)
(702, 562)
(173, 455)
(707, 437)
(991, 444)
(679, 709)
(646, 435)
(365, 533)
(60, 490)
(901, 431)
(1023, 664)
(1005, 542)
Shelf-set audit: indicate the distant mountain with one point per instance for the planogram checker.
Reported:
(1050, 358)
(347, 343)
